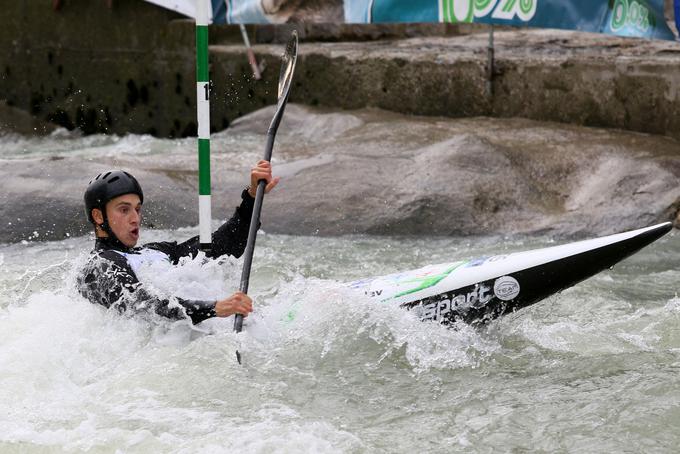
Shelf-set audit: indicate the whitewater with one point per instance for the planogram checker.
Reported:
(593, 369)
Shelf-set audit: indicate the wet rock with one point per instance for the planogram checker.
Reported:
(376, 172)
(395, 174)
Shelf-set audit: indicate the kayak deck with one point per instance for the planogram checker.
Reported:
(483, 289)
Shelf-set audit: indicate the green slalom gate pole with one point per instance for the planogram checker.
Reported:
(203, 9)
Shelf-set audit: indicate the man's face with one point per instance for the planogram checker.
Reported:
(125, 216)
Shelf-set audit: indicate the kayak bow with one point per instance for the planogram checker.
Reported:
(476, 291)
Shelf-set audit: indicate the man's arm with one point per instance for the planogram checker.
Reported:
(110, 281)
(232, 237)
(229, 239)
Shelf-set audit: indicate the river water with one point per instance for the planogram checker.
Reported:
(594, 369)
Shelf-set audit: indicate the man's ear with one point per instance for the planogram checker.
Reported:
(97, 216)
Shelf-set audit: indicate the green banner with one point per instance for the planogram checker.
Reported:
(640, 18)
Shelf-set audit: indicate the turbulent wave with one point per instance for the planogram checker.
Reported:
(325, 369)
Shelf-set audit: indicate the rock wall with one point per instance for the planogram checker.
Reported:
(130, 68)
(125, 69)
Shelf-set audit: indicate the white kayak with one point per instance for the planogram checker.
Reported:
(481, 289)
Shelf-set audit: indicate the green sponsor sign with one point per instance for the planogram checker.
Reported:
(641, 18)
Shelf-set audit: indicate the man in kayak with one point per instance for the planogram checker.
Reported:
(113, 203)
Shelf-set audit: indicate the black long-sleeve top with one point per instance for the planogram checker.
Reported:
(109, 277)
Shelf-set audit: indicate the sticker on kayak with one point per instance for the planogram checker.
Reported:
(506, 288)
(401, 284)
(454, 303)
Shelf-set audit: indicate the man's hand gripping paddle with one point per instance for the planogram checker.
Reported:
(286, 76)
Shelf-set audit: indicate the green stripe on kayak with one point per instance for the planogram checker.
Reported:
(426, 281)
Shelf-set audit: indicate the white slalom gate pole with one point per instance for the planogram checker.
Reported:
(203, 116)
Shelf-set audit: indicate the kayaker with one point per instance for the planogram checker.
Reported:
(113, 204)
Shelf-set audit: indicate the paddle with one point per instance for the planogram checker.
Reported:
(285, 77)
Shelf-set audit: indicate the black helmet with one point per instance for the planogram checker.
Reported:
(107, 186)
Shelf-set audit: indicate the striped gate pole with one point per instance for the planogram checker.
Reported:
(203, 117)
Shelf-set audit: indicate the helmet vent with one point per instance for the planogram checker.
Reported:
(114, 179)
(106, 175)
(127, 174)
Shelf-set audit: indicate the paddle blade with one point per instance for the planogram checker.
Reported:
(288, 61)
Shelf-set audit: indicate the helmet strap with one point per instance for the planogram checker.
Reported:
(112, 238)
(105, 225)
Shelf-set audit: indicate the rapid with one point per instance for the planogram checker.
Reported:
(593, 369)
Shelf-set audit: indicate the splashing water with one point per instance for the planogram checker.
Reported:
(593, 369)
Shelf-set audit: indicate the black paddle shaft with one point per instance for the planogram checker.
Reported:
(252, 231)
(285, 77)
